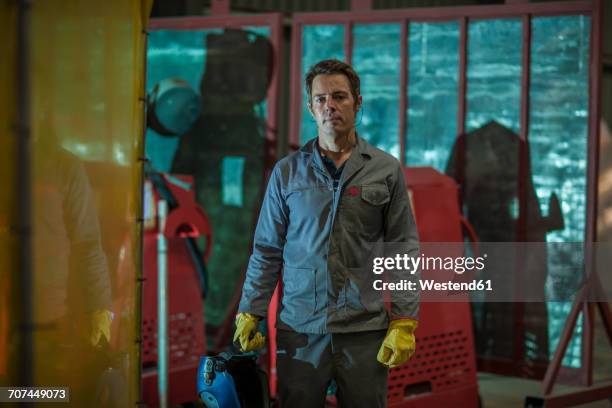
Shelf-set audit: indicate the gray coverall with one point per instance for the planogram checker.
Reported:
(319, 237)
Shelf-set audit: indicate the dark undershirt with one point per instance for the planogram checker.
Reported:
(333, 170)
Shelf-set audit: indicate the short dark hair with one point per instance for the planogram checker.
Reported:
(331, 67)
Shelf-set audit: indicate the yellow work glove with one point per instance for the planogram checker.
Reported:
(399, 343)
(100, 326)
(246, 332)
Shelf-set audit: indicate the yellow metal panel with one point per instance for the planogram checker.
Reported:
(8, 18)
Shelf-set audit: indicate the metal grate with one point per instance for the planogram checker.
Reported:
(442, 362)
(181, 338)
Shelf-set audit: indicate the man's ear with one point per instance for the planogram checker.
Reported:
(310, 109)
(358, 104)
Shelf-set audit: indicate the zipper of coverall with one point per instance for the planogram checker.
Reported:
(333, 190)
(330, 187)
(341, 182)
(336, 203)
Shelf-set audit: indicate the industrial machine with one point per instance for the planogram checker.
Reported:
(187, 285)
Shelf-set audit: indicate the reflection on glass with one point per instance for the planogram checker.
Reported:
(230, 69)
(71, 279)
(261, 108)
(319, 42)
(494, 73)
(232, 173)
(433, 70)
(558, 134)
(376, 58)
(177, 54)
(486, 161)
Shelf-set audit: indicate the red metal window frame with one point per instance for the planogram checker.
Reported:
(463, 15)
(274, 22)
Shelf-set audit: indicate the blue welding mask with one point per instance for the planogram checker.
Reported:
(231, 380)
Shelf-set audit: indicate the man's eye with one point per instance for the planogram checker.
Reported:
(319, 99)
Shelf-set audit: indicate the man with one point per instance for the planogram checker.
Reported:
(71, 286)
(323, 206)
(70, 266)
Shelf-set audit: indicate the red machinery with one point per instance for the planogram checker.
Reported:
(443, 370)
(186, 337)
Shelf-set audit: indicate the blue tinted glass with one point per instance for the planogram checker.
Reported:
(491, 168)
(319, 42)
(494, 73)
(229, 70)
(433, 66)
(261, 109)
(231, 180)
(558, 135)
(181, 54)
(376, 58)
(172, 54)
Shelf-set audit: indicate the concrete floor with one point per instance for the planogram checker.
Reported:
(505, 392)
(508, 392)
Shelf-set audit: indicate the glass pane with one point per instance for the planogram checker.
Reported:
(232, 173)
(86, 139)
(178, 54)
(558, 135)
(433, 70)
(261, 108)
(319, 42)
(486, 160)
(376, 58)
(494, 73)
(227, 73)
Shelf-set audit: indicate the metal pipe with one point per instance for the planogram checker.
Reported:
(590, 268)
(523, 182)
(140, 210)
(461, 108)
(296, 85)
(403, 95)
(162, 305)
(24, 196)
(349, 41)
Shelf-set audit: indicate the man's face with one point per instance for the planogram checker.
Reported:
(333, 105)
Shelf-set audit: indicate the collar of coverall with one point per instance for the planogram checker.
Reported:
(362, 147)
(361, 153)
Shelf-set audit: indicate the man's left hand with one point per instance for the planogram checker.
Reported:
(399, 343)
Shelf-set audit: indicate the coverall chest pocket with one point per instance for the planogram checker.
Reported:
(361, 209)
(299, 294)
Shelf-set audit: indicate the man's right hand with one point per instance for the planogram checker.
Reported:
(246, 332)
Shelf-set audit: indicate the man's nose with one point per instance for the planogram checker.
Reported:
(330, 104)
